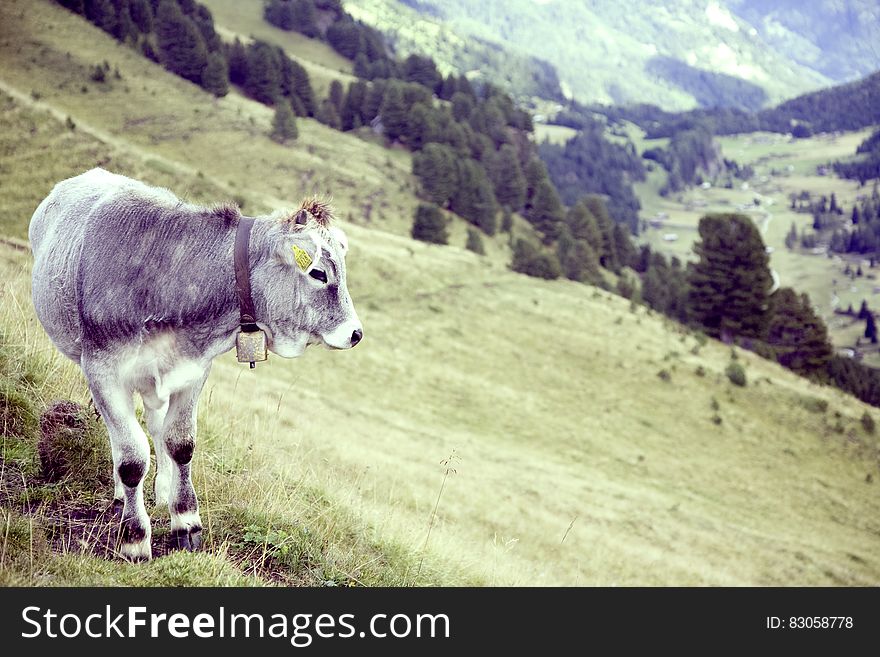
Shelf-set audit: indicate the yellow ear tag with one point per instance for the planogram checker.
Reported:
(303, 259)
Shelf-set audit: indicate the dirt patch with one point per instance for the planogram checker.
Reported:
(72, 447)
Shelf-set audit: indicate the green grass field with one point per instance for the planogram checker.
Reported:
(576, 463)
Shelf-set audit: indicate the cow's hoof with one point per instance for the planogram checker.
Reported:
(189, 540)
(138, 551)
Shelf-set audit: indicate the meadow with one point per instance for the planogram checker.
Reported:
(593, 442)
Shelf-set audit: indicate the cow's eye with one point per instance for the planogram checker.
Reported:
(318, 275)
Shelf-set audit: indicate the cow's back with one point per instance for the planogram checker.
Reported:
(56, 233)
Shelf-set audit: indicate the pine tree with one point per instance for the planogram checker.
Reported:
(730, 282)
(238, 63)
(475, 242)
(582, 224)
(435, 166)
(473, 197)
(328, 116)
(264, 75)
(352, 107)
(609, 258)
(421, 126)
(394, 112)
(799, 338)
(124, 28)
(791, 237)
(507, 178)
(284, 123)
(863, 310)
(530, 260)
(181, 46)
(871, 328)
(102, 14)
(215, 79)
(362, 66)
(576, 258)
(429, 225)
(336, 95)
(142, 15)
(305, 18)
(301, 87)
(546, 211)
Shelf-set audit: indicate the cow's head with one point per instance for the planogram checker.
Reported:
(304, 285)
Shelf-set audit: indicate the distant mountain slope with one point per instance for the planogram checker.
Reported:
(679, 54)
(839, 39)
(603, 50)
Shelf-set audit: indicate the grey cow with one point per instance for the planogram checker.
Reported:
(138, 288)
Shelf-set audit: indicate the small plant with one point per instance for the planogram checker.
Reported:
(715, 405)
(429, 225)
(700, 371)
(736, 374)
(664, 375)
(99, 72)
(716, 419)
(815, 405)
(701, 338)
(448, 464)
(868, 423)
(69, 124)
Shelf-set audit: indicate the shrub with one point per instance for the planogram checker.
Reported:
(529, 260)
(736, 374)
(664, 375)
(475, 242)
(868, 422)
(429, 225)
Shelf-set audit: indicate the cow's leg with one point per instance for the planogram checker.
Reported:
(131, 455)
(180, 441)
(155, 410)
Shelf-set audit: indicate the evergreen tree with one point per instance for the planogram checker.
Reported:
(301, 88)
(435, 166)
(871, 328)
(791, 236)
(421, 126)
(607, 250)
(142, 14)
(506, 220)
(362, 66)
(215, 79)
(577, 258)
(263, 82)
(238, 63)
(422, 70)
(797, 335)
(473, 197)
(530, 260)
(863, 310)
(305, 18)
(284, 123)
(328, 116)
(462, 107)
(429, 225)
(507, 178)
(475, 242)
(352, 107)
(394, 112)
(102, 14)
(583, 226)
(336, 95)
(181, 46)
(546, 211)
(730, 282)
(124, 28)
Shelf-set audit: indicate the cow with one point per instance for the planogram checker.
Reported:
(143, 290)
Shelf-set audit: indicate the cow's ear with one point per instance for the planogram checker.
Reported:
(340, 238)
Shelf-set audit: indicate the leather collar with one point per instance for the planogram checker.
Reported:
(243, 275)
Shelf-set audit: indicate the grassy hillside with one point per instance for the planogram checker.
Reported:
(594, 442)
(603, 51)
(244, 20)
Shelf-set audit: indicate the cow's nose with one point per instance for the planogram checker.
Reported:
(356, 336)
